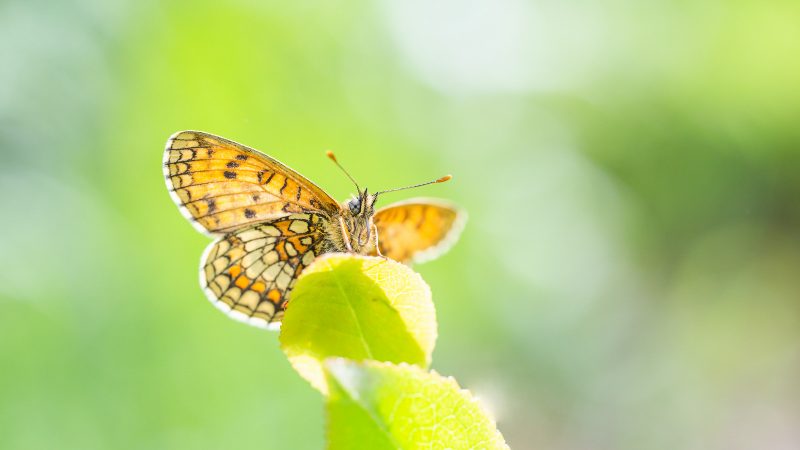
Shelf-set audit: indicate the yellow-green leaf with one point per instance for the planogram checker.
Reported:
(357, 307)
(385, 406)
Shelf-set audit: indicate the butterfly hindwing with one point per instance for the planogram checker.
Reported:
(221, 185)
(418, 230)
(249, 273)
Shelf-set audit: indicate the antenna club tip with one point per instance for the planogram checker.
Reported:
(444, 178)
(331, 155)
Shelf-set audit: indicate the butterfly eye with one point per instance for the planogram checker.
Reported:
(355, 205)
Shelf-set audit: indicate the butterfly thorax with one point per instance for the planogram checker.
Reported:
(351, 230)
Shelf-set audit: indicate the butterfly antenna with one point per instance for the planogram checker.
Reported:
(333, 158)
(440, 180)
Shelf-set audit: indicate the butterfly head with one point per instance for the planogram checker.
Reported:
(363, 204)
(358, 211)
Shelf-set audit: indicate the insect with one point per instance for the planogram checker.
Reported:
(270, 223)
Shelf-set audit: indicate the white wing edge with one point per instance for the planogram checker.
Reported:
(449, 239)
(171, 188)
(222, 306)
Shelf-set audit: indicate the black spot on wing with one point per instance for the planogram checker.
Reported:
(229, 174)
(249, 213)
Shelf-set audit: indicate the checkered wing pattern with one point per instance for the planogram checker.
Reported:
(250, 273)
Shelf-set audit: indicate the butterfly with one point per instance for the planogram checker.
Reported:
(269, 223)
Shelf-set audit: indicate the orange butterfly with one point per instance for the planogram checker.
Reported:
(271, 223)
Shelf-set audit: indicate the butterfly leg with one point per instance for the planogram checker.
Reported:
(377, 248)
(345, 237)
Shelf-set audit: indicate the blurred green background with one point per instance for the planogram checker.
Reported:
(628, 279)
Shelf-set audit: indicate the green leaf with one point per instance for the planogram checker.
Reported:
(385, 406)
(357, 307)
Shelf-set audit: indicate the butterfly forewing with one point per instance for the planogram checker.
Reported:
(221, 185)
(250, 272)
(417, 230)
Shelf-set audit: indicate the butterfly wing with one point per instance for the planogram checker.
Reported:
(249, 273)
(418, 230)
(221, 185)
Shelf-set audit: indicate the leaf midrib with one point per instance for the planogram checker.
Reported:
(382, 426)
(355, 316)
